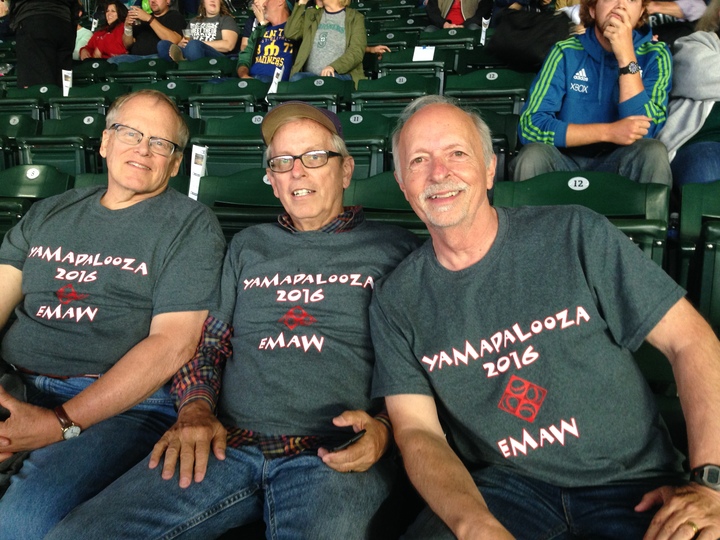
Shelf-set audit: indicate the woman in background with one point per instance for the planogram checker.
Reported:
(107, 41)
(213, 33)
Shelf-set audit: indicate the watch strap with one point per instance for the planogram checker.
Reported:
(706, 475)
(63, 417)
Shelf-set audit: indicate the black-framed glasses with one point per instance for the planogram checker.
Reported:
(132, 137)
(312, 160)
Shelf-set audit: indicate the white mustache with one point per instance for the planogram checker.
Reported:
(433, 190)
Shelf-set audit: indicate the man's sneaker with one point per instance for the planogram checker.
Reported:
(176, 54)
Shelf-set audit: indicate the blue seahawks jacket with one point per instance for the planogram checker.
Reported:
(578, 84)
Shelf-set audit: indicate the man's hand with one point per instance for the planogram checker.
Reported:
(451, 25)
(197, 430)
(139, 14)
(29, 427)
(628, 130)
(243, 72)
(378, 49)
(683, 507)
(328, 71)
(618, 31)
(362, 455)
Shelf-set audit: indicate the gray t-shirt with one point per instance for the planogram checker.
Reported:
(94, 278)
(330, 42)
(527, 352)
(210, 28)
(298, 303)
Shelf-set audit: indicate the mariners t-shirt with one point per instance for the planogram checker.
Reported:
(273, 51)
(93, 278)
(330, 42)
(527, 352)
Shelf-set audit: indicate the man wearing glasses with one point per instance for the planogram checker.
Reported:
(292, 337)
(110, 287)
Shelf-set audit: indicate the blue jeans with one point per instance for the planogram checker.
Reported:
(307, 74)
(55, 479)
(644, 161)
(192, 51)
(298, 497)
(533, 510)
(697, 163)
(121, 58)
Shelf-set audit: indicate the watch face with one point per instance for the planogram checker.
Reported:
(70, 432)
(633, 67)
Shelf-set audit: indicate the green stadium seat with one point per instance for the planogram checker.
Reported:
(503, 128)
(385, 14)
(92, 72)
(501, 90)
(22, 185)
(410, 22)
(381, 198)
(469, 60)
(95, 98)
(32, 100)
(71, 144)
(699, 268)
(177, 89)
(364, 7)
(240, 200)
(141, 72)
(638, 210)
(227, 98)
(203, 69)
(234, 144)
(402, 63)
(390, 95)
(324, 92)
(13, 126)
(367, 137)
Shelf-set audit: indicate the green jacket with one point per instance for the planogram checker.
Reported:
(303, 24)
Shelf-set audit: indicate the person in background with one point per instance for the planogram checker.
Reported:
(458, 13)
(333, 40)
(599, 99)
(82, 35)
(108, 40)
(143, 31)
(267, 47)
(45, 35)
(692, 131)
(213, 33)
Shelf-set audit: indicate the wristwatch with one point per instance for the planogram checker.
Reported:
(69, 428)
(707, 475)
(630, 69)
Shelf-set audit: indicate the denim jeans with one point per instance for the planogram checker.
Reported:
(55, 479)
(121, 58)
(192, 51)
(644, 161)
(697, 163)
(298, 497)
(534, 510)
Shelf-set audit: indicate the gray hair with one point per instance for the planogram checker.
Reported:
(710, 21)
(182, 134)
(482, 128)
(337, 140)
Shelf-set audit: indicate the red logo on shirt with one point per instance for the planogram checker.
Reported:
(522, 399)
(297, 316)
(67, 294)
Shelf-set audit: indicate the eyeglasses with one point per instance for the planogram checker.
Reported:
(311, 160)
(132, 137)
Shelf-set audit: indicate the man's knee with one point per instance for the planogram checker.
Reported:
(648, 162)
(534, 159)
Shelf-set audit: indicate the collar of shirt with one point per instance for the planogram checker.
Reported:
(347, 221)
